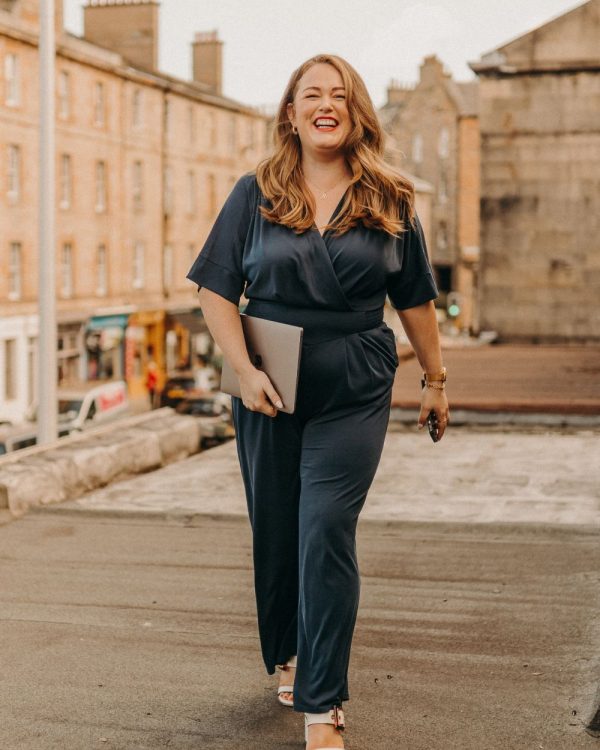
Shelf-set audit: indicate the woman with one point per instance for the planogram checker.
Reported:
(316, 236)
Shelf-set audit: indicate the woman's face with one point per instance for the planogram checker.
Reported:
(319, 110)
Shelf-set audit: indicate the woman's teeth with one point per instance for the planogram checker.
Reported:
(325, 124)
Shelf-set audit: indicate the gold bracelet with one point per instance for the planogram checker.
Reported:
(435, 376)
(441, 387)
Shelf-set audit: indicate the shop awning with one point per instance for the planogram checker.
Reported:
(100, 322)
(193, 320)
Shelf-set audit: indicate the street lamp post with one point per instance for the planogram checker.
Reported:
(47, 338)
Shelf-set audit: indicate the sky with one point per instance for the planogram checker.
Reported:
(383, 39)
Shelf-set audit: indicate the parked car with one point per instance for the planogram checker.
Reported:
(205, 404)
(177, 387)
(15, 437)
(88, 405)
(216, 409)
(88, 408)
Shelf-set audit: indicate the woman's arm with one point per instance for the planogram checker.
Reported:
(421, 327)
(223, 321)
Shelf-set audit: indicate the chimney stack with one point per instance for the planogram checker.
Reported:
(207, 60)
(129, 27)
(398, 92)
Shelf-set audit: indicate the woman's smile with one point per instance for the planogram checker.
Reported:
(326, 123)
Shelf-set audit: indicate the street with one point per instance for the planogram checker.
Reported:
(128, 616)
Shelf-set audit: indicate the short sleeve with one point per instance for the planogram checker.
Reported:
(411, 282)
(218, 266)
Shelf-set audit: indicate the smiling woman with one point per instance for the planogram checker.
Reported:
(317, 238)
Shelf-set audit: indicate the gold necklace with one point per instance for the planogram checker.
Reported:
(324, 194)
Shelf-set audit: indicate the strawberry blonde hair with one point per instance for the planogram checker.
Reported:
(379, 196)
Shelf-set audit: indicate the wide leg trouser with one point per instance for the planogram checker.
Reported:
(306, 477)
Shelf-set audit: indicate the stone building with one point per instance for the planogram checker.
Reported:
(540, 186)
(433, 134)
(144, 161)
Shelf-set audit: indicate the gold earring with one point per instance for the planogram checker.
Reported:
(294, 130)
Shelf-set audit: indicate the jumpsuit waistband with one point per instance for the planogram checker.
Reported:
(318, 324)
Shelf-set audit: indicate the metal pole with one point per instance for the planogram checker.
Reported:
(47, 338)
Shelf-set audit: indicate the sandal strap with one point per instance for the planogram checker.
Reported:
(285, 689)
(334, 716)
(291, 662)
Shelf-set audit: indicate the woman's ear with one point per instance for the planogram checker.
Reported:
(290, 112)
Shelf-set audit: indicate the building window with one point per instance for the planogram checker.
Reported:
(136, 108)
(211, 189)
(444, 278)
(15, 266)
(99, 104)
(168, 197)
(444, 143)
(417, 148)
(232, 129)
(101, 271)
(167, 117)
(138, 265)
(100, 186)
(443, 187)
(138, 181)
(442, 236)
(14, 173)
(64, 95)
(11, 76)
(10, 369)
(250, 134)
(65, 181)
(168, 266)
(191, 192)
(192, 124)
(31, 369)
(212, 130)
(66, 270)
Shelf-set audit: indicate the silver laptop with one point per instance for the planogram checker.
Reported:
(274, 348)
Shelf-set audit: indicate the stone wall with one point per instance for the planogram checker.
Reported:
(72, 466)
(540, 206)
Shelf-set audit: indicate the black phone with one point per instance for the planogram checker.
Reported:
(432, 423)
(432, 426)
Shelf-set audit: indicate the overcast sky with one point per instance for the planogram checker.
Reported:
(383, 39)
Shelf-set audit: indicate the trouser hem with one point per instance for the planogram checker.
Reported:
(305, 708)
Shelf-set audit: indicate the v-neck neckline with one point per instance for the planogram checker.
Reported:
(333, 215)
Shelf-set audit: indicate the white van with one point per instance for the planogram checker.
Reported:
(90, 405)
(80, 409)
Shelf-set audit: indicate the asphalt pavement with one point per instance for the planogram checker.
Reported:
(127, 618)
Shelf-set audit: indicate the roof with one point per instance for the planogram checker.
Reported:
(565, 42)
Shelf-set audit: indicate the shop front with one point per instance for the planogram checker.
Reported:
(187, 337)
(105, 347)
(144, 350)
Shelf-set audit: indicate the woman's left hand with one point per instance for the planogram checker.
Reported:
(434, 398)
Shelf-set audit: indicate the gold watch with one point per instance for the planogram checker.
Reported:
(430, 377)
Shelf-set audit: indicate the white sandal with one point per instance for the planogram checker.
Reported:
(334, 716)
(290, 663)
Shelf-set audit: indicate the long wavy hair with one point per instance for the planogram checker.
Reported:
(379, 196)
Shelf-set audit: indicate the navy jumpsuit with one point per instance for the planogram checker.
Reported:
(306, 475)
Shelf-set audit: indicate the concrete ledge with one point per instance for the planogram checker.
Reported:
(68, 468)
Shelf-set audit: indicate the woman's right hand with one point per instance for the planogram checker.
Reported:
(257, 392)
